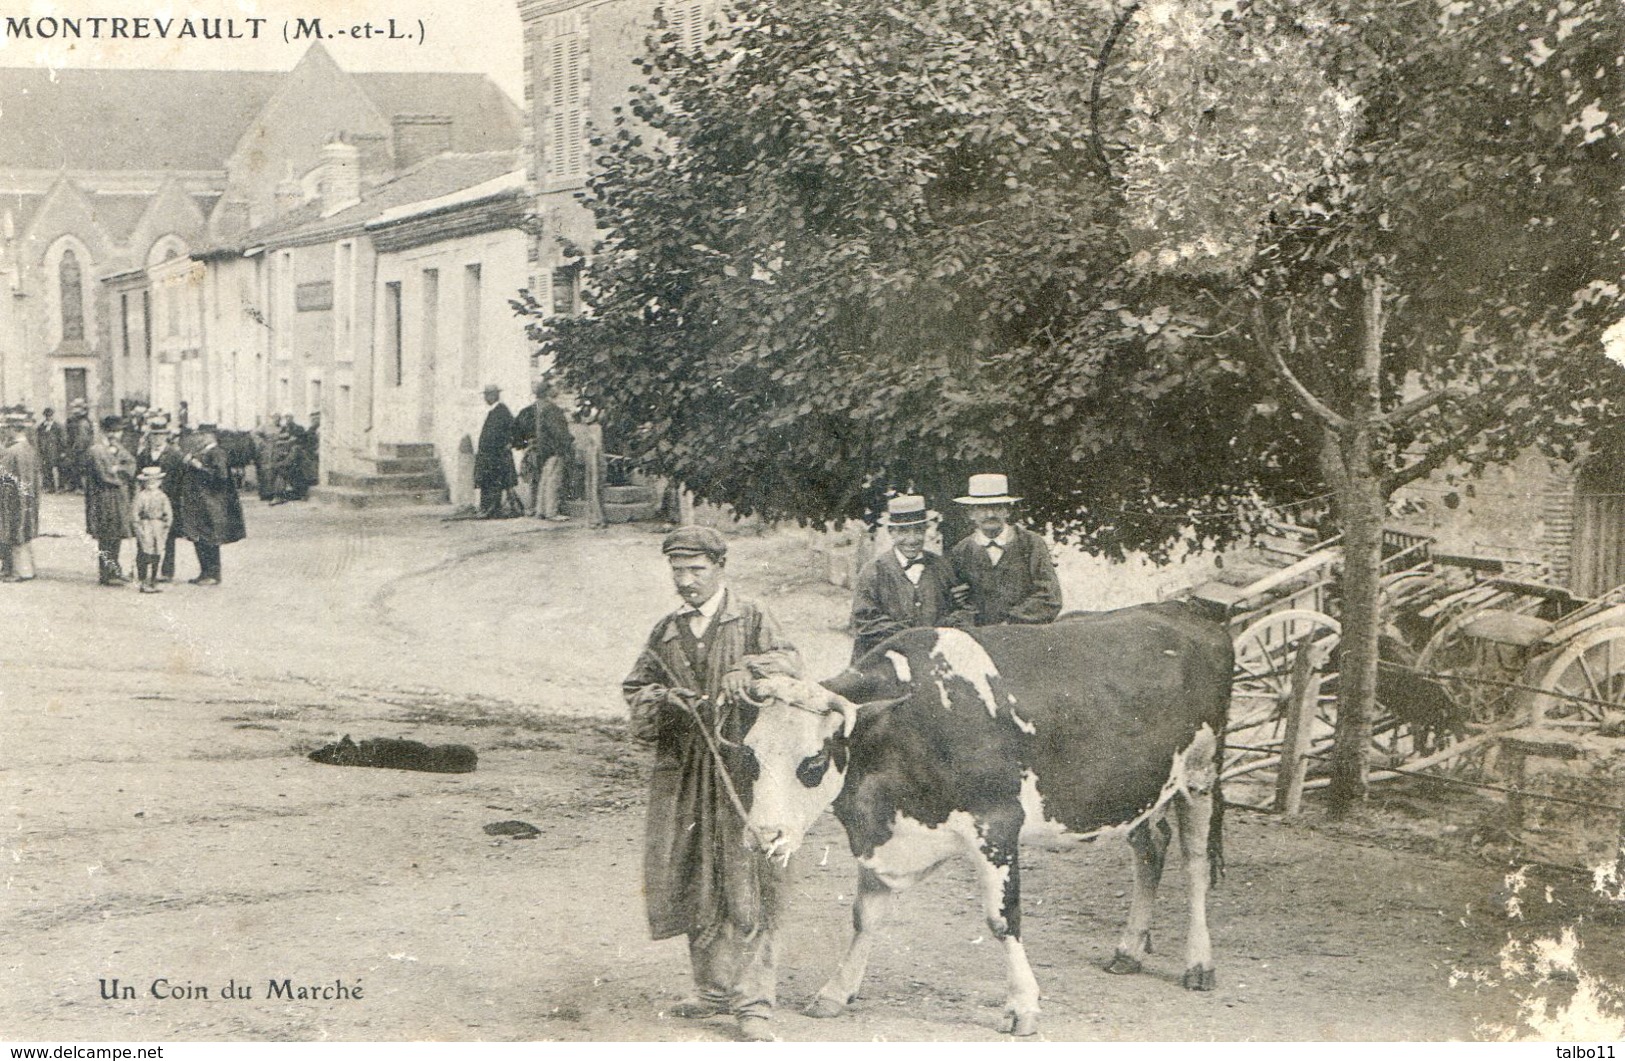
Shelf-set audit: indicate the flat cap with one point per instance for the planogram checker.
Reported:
(695, 541)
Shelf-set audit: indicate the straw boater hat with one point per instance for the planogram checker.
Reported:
(907, 510)
(988, 490)
(151, 473)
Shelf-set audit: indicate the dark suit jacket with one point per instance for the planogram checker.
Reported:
(885, 602)
(493, 460)
(1021, 589)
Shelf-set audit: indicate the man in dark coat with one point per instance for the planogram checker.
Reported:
(699, 879)
(1008, 569)
(493, 460)
(905, 586)
(109, 474)
(211, 515)
(80, 437)
(21, 483)
(543, 432)
(50, 441)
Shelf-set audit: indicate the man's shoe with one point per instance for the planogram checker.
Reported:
(208, 581)
(697, 1010)
(756, 1030)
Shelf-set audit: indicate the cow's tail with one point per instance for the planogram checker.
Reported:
(1215, 836)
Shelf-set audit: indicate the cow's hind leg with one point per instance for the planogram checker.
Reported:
(998, 868)
(870, 909)
(1150, 841)
(1195, 810)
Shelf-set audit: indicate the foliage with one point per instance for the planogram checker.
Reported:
(855, 245)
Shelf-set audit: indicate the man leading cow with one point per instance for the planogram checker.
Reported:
(699, 878)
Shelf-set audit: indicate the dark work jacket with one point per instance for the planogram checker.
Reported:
(885, 602)
(555, 441)
(1022, 588)
(493, 460)
(109, 473)
(210, 510)
(697, 872)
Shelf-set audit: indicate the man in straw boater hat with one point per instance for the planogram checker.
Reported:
(904, 587)
(699, 878)
(1008, 569)
(21, 483)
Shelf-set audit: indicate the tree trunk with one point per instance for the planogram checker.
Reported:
(1361, 504)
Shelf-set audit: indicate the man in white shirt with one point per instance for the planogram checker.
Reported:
(906, 586)
(699, 879)
(1008, 569)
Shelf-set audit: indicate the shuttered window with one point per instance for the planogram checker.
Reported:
(686, 19)
(565, 123)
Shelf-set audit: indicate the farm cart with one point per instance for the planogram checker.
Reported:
(1469, 650)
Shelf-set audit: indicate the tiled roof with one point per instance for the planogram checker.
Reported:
(483, 118)
(192, 119)
(126, 119)
(431, 179)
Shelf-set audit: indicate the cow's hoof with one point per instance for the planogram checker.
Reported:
(1021, 1023)
(756, 1030)
(823, 1007)
(1200, 978)
(1122, 965)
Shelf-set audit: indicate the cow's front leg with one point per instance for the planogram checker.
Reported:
(1149, 840)
(1195, 820)
(870, 909)
(998, 868)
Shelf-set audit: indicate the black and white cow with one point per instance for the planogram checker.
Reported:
(940, 742)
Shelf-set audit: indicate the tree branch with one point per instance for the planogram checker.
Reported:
(1094, 89)
(1414, 408)
(1444, 451)
(1330, 417)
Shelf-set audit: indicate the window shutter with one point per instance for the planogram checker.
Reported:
(566, 122)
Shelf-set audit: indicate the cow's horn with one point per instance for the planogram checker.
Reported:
(848, 710)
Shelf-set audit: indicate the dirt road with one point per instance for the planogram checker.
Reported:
(163, 824)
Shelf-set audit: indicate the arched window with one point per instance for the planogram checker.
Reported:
(73, 297)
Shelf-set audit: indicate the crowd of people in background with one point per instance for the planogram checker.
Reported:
(145, 475)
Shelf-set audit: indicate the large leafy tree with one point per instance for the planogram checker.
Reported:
(1162, 262)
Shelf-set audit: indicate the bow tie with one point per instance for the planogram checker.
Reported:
(992, 543)
(918, 561)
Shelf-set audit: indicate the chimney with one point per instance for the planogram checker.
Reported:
(419, 136)
(289, 195)
(340, 182)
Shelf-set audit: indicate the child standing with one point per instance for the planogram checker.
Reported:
(153, 517)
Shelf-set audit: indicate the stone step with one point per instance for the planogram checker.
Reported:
(407, 450)
(629, 495)
(355, 497)
(405, 481)
(402, 465)
(637, 513)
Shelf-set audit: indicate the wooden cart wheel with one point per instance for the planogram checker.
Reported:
(1591, 666)
(1265, 652)
(1452, 651)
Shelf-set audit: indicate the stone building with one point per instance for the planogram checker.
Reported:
(117, 186)
(387, 310)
